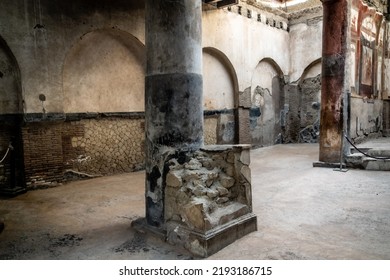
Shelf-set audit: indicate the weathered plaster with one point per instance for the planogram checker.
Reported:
(41, 34)
(305, 47)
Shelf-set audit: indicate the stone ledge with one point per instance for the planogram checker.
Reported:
(207, 243)
(198, 243)
(328, 164)
(221, 148)
(12, 192)
(142, 226)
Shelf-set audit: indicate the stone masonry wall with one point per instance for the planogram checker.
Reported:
(211, 188)
(309, 110)
(55, 152)
(107, 146)
(219, 127)
(210, 130)
(208, 198)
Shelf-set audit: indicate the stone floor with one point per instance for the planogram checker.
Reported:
(303, 213)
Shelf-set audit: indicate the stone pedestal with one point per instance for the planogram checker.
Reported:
(208, 199)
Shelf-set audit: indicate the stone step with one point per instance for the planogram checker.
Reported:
(359, 160)
(375, 164)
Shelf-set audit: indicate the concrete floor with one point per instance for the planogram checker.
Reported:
(303, 213)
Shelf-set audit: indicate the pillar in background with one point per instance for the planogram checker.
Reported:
(333, 86)
(173, 93)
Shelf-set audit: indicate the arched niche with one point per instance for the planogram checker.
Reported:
(380, 69)
(309, 100)
(312, 70)
(267, 103)
(368, 34)
(105, 72)
(220, 85)
(220, 94)
(11, 117)
(10, 84)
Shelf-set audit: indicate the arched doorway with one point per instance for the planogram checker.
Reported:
(309, 96)
(11, 117)
(267, 103)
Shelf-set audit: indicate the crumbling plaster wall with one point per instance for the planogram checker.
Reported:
(305, 45)
(10, 87)
(245, 42)
(77, 57)
(267, 98)
(42, 32)
(246, 36)
(63, 51)
(366, 118)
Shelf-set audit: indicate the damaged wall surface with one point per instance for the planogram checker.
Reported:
(369, 71)
(70, 64)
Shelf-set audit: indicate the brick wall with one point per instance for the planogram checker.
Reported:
(43, 154)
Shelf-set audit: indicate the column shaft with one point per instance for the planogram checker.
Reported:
(334, 47)
(173, 93)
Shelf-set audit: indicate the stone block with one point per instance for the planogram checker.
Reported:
(212, 193)
(234, 211)
(193, 164)
(190, 175)
(230, 157)
(207, 199)
(245, 157)
(244, 98)
(244, 134)
(222, 191)
(221, 200)
(227, 181)
(199, 190)
(174, 179)
(229, 170)
(194, 216)
(246, 172)
(211, 241)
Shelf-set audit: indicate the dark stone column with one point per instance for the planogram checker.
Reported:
(173, 93)
(333, 88)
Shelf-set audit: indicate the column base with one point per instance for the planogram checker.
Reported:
(328, 164)
(202, 244)
(12, 192)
